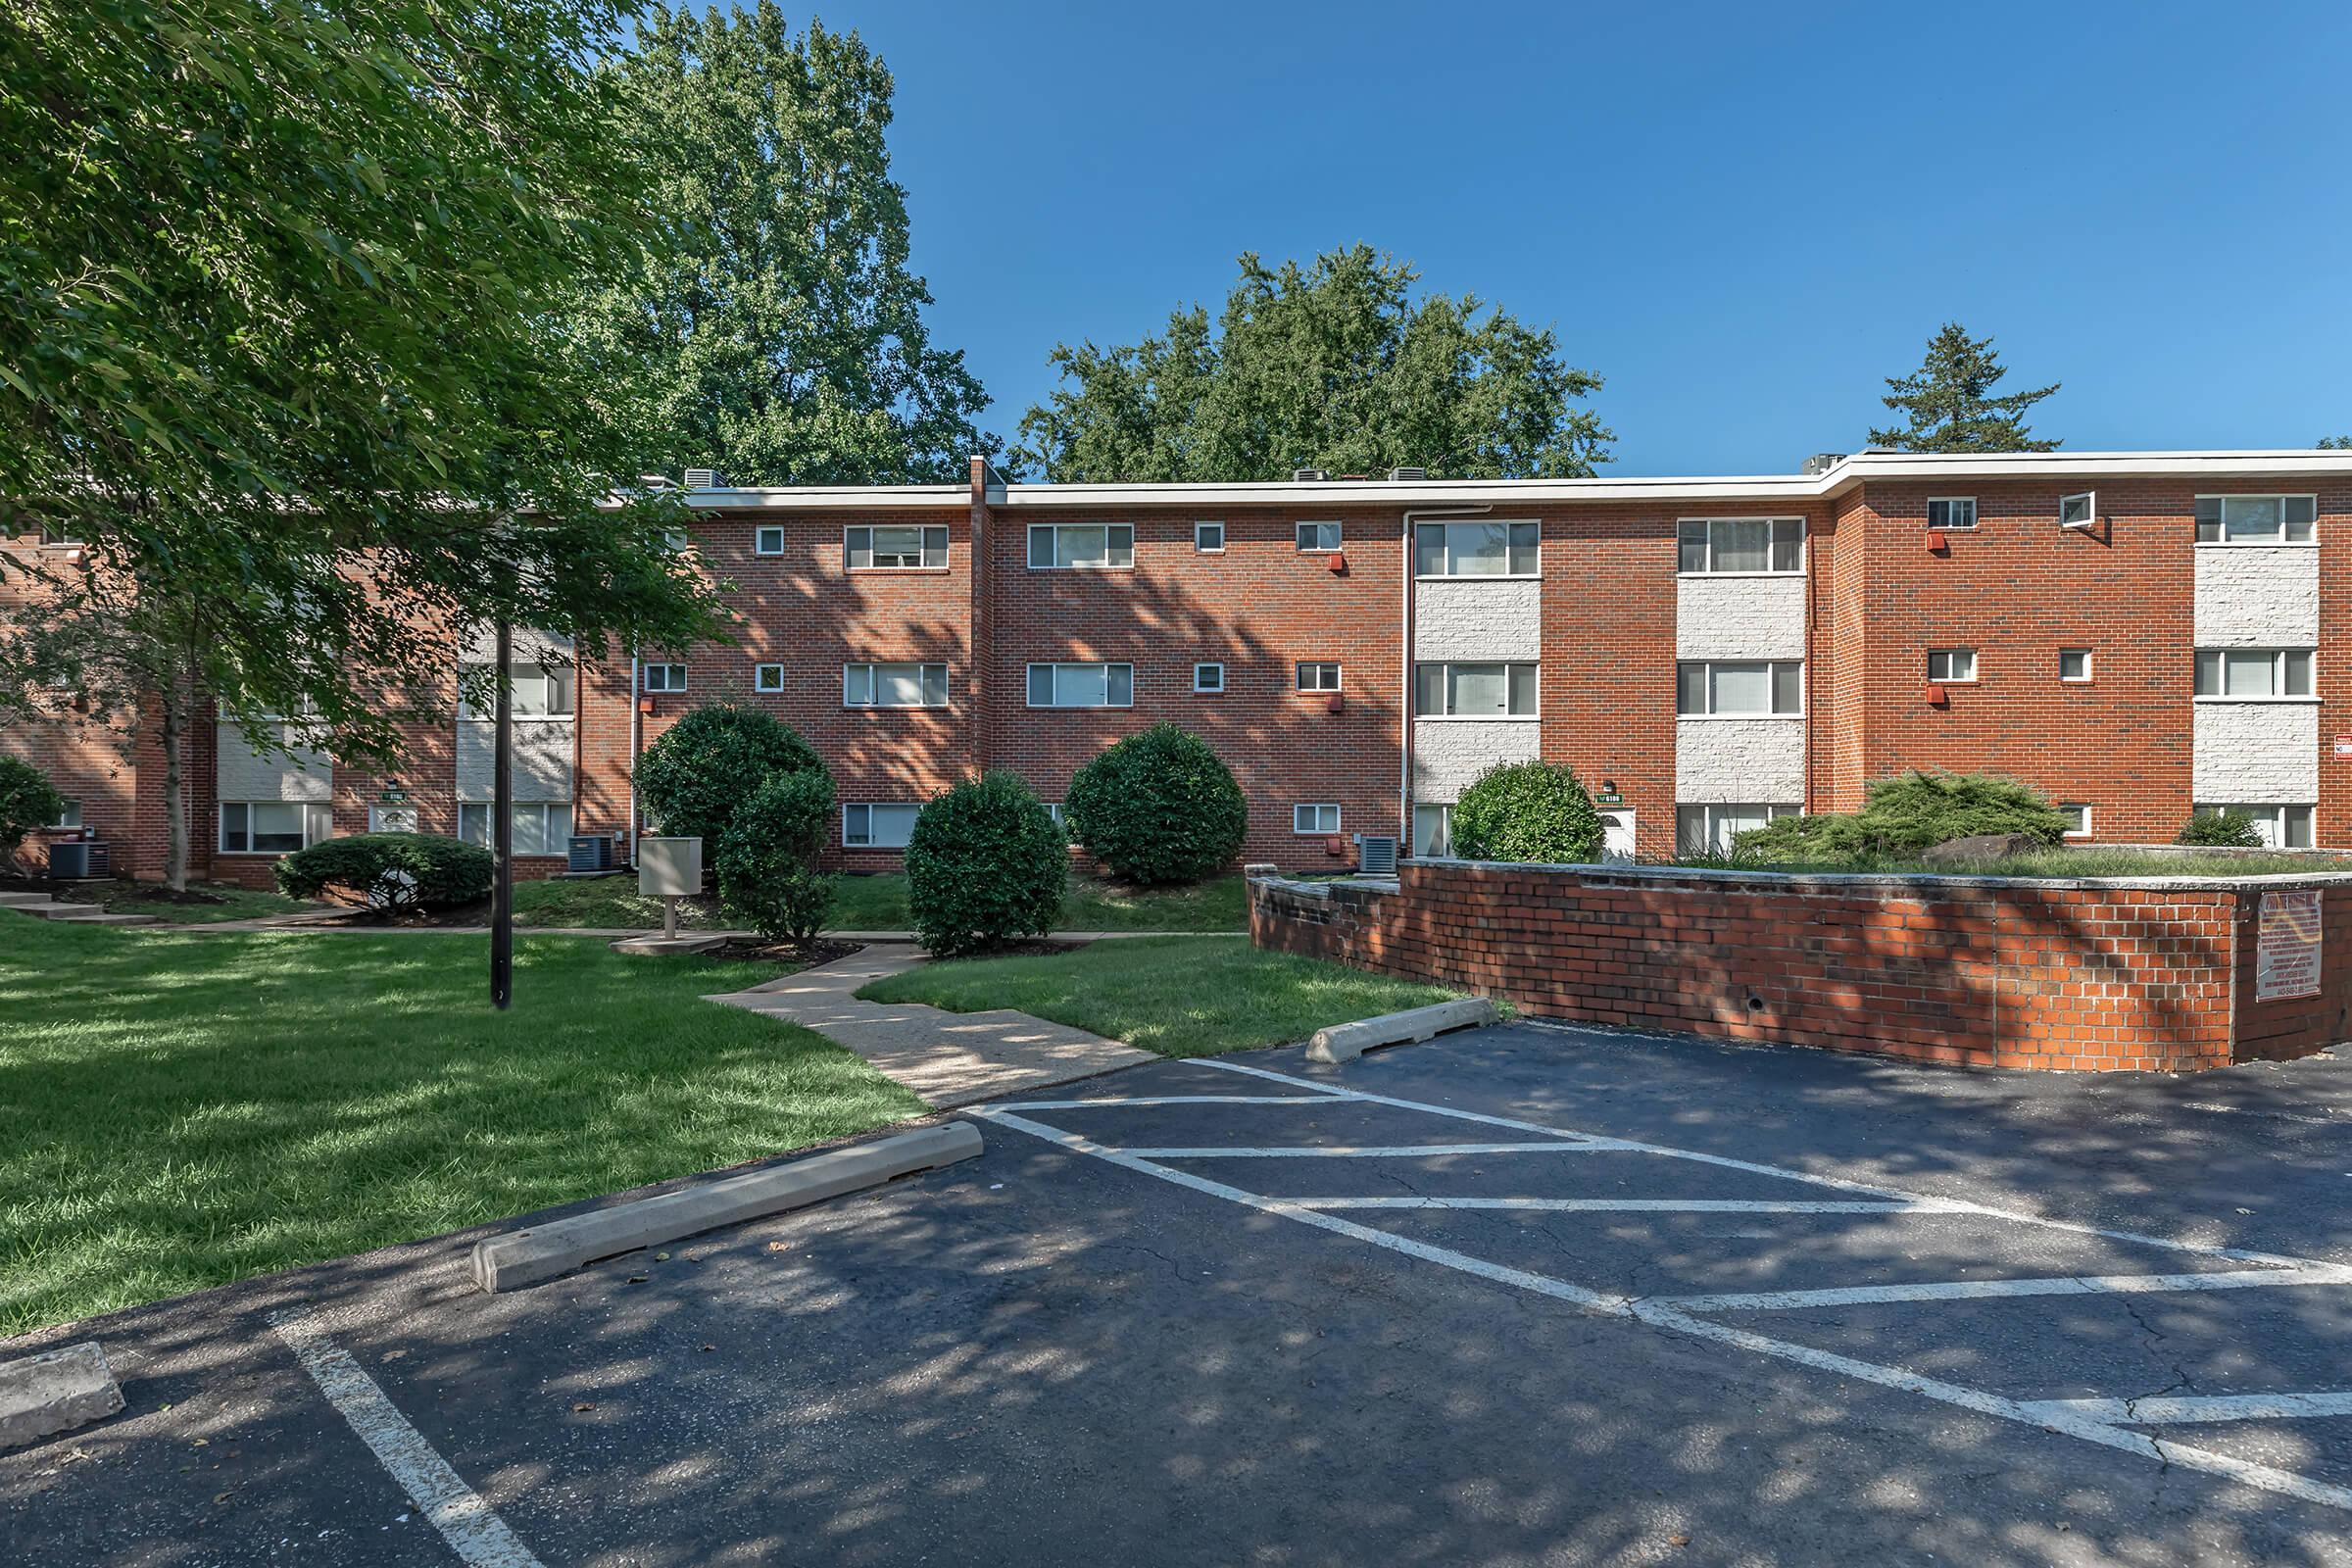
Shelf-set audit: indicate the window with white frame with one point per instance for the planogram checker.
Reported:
(1952, 666)
(1081, 685)
(2256, 519)
(1321, 818)
(1322, 536)
(1474, 691)
(1053, 810)
(1952, 512)
(2079, 510)
(1208, 678)
(2280, 828)
(1711, 829)
(2074, 664)
(2077, 819)
(1319, 677)
(1073, 546)
(1433, 831)
(894, 546)
(1208, 538)
(1478, 548)
(1741, 688)
(1744, 545)
(2253, 674)
(274, 827)
(68, 815)
(533, 692)
(60, 533)
(664, 677)
(767, 677)
(537, 827)
(894, 685)
(767, 540)
(866, 826)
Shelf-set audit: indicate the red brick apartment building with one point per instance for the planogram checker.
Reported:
(2138, 634)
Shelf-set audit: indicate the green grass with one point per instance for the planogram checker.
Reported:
(1177, 996)
(178, 1112)
(879, 904)
(237, 904)
(2062, 862)
(605, 901)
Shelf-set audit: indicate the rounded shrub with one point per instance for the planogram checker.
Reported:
(765, 863)
(1158, 808)
(696, 772)
(2221, 830)
(27, 800)
(397, 871)
(1526, 811)
(985, 865)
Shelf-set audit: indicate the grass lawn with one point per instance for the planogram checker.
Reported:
(178, 1112)
(879, 904)
(237, 903)
(1178, 996)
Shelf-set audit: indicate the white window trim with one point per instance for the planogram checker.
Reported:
(1413, 544)
(1955, 527)
(1803, 685)
(1444, 810)
(873, 683)
(1773, 812)
(1216, 548)
(1805, 546)
(541, 807)
(1976, 668)
(922, 544)
(646, 672)
(1335, 549)
(1339, 677)
(1507, 664)
(1029, 543)
(2090, 666)
(2278, 661)
(760, 531)
(2274, 810)
(2090, 520)
(1104, 664)
(528, 669)
(1315, 832)
(2312, 543)
(312, 813)
(759, 680)
(1219, 688)
(869, 808)
(2085, 830)
(70, 813)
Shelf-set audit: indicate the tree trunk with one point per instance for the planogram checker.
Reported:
(175, 793)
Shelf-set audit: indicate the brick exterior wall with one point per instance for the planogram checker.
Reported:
(1979, 972)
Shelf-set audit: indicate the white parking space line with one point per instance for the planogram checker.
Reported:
(1174, 1099)
(2203, 1407)
(1984, 1289)
(1355, 1151)
(1642, 1206)
(473, 1531)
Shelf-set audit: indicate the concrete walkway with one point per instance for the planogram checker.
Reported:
(948, 1058)
(326, 923)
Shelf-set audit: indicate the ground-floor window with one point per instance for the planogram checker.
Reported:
(877, 827)
(2077, 820)
(272, 827)
(2283, 827)
(1323, 817)
(1433, 831)
(68, 815)
(1711, 829)
(540, 827)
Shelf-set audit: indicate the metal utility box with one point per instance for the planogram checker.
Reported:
(75, 859)
(670, 868)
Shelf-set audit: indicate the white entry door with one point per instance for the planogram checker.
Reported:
(1617, 834)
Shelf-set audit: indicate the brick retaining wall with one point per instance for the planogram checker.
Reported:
(2156, 973)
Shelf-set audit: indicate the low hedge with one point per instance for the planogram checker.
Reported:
(397, 871)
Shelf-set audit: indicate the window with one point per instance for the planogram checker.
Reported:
(1208, 538)
(272, 827)
(537, 827)
(1741, 544)
(767, 541)
(1067, 546)
(534, 693)
(1433, 831)
(2256, 519)
(666, 677)
(1053, 810)
(1474, 691)
(1952, 666)
(1711, 829)
(1208, 677)
(1081, 685)
(900, 547)
(1952, 512)
(2281, 827)
(2079, 510)
(2074, 663)
(1319, 536)
(877, 827)
(2253, 673)
(894, 685)
(2077, 820)
(1739, 689)
(60, 533)
(1318, 677)
(1477, 549)
(68, 815)
(1321, 819)
(767, 677)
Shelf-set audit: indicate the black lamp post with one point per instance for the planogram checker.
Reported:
(502, 832)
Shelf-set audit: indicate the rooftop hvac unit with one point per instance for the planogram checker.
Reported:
(704, 479)
(591, 852)
(1376, 856)
(1309, 475)
(1408, 475)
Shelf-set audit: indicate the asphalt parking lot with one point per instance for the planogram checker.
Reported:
(1520, 1296)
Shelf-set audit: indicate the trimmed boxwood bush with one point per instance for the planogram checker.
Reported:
(985, 865)
(2222, 830)
(1526, 811)
(27, 800)
(399, 870)
(765, 863)
(1158, 808)
(696, 772)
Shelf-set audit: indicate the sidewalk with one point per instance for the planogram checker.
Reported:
(313, 922)
(948, 1058)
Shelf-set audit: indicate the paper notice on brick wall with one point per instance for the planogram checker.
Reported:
(2287, 958)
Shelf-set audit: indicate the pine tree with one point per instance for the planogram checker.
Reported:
(2336, 443)
(1949, 403)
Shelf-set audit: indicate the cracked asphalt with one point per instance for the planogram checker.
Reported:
(1041, 1356)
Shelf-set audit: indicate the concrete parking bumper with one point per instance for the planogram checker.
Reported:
(55, 1392)
(1344, 1042)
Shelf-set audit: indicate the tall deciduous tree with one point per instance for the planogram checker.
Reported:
(1336, 365)
(1949, 404)
(780, 337)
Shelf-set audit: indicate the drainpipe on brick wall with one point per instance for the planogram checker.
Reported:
(1405, 732)
(636, 737)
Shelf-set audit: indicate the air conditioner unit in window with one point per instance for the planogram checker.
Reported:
(704, 479)
(1408, 475)
(1309, 475)
(1376, 856)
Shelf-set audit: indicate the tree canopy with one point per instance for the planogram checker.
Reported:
(1336, 365)
(1949, 404)
(780, 336)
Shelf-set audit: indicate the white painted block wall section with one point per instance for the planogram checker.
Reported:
(1478, 619)
(247, 774)
(1756, 761)
(2260, 753)
(543, 752)
(1449, 752)
(2258, 596)
(1739, 617)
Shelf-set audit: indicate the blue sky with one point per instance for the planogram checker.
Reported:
(1744, 217)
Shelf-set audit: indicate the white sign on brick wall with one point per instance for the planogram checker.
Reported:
(2286, 955)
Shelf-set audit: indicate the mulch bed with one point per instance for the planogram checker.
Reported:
(101, 891)
(803, 954)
